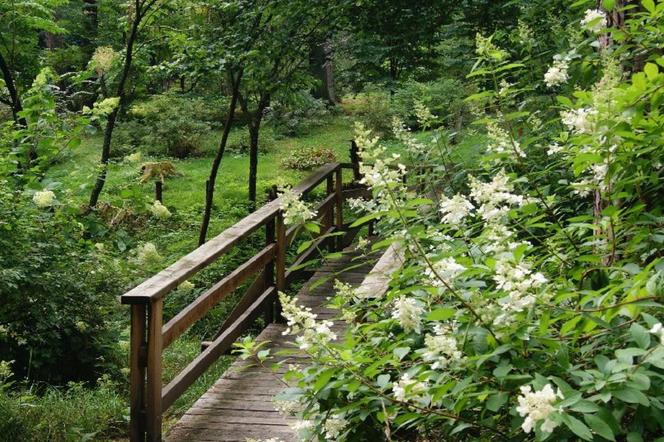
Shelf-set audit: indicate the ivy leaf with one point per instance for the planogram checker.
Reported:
(599, 426)
(577, 427)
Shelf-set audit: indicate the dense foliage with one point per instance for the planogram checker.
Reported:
(529, 302)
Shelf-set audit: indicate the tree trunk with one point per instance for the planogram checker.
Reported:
(13, 93)
(210, 183)
(320, 66)
(254, 128)
(112, 117)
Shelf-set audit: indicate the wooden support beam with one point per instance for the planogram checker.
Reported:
(137, 360)
(153, 408)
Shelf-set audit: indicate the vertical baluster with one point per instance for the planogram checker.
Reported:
(339, 207)
(269, 271)
(328, 218)
(280, 262)
(154, 347)
(137, 373)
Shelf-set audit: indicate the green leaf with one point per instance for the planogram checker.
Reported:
(599, 426)
(323, 378)
(577, 427)
(400, 352)
(631, 396)
(441, 314)
(649, 5)
(651, 70)
(640, 335)
(496, 401)
(383, 380)
(609, 4)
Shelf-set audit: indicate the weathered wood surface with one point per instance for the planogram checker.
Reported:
(239, 406)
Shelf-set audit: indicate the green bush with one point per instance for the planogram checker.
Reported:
(57, 293)
(373, 109)
(165, 125)
(239, 141)
(307, 158)
(443, 97)
(296, 115)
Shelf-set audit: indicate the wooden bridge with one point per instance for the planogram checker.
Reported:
(239, 405)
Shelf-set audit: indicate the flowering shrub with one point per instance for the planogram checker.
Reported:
(308, 158)
(529, 304)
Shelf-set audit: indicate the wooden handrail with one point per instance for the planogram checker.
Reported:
(149, 336)
(168, 279)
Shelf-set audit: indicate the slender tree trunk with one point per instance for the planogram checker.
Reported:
(254, 131)
(254, 128)
(210, 183)
(16, 105)
(112, 117)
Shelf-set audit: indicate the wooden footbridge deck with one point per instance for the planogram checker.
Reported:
(239, 405)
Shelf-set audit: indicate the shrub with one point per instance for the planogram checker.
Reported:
(443, 97)
(373, 109)
(305, 158)
(57, 293)
(297, 114)
(528, 302)
(239, 141)
(163, 125)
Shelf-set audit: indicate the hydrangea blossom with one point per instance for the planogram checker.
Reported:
(554, 149)
(446, 269)
(500, 141)
(147, 253)
(408, 388)
(455, 209)
(334, 426)
(518, 281)
(302, 322)
(658, 330)
(579, 120)
(296, 211)
(441, 348)
(44, 199)
(594, 20)
(558, 72)
(537, 406)
(408, 312)
(186, 286)
(159, 210)
(495, 197)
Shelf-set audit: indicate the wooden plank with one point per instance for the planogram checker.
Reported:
(197, 309)
(153, 408)
(201, 363)
(169, 278)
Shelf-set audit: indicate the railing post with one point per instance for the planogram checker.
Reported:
(355, 160)
(280, 262)
(269, 270)
(137, 373)
(339, 209)
(154, 348)
(328, 218)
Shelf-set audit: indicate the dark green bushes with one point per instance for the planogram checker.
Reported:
(57, 295)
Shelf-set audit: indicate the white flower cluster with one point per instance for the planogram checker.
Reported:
(441, 348)
(402, 133)
(595, 20)
(424, 116)
(334, 426)
(537, 406)
(378, 168)
(296, 212)
(446, 269)
(558, 72)
(495, 197)
(455, 209)
(345, 290)
(147, 253)
(408, 312)
(159, 210)
(302, 322)
(500, 141)
(407, 389)
(658, 330)
(518, 280)
(44, 198)
(580, 121)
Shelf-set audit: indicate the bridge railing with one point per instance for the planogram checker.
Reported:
(150, 336)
